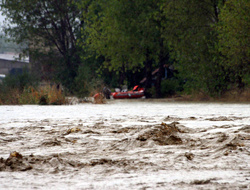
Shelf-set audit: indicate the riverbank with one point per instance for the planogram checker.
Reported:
(230, 97)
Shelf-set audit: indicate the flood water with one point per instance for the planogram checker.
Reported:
(125, 144)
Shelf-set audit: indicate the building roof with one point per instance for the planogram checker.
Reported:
(13, 57)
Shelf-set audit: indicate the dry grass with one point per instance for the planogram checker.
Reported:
(10, 98)
(54, 96)
(46, 95)
(236, 96)
(230, 96)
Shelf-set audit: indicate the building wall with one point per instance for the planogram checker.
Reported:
(7, 65)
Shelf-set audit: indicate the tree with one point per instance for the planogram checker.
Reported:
(234, 39)
(128, 34)
(6, 45)
(193, 39)
(49, 27)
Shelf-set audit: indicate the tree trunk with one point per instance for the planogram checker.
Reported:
(240, 84)
(163, 59)
(122, 77)
(159, 79)
(148, 73)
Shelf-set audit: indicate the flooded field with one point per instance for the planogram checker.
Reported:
(137, 144)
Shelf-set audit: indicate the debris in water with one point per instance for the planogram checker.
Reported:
(15, 154)
(164, 134)
(201, 182)
(221, 118)
(73, 130)
(171, 128)
(189, 155)
(15, 162)
(53, 142)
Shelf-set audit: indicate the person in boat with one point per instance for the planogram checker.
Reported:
(137, 88)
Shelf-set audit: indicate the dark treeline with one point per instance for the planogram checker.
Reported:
(83, 44)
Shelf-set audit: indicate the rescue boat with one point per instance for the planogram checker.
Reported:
(137, 92)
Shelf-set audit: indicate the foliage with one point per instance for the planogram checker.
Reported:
(107, 34)
(23, 89)
(19, 81)
(51, 28)
(127, 34)
(234, 39)
(193, 42)
(43, 95)
(88, 76)
(85, 84)
(9, 96)
(246, 79)
(51, 24)
(47, 95)
(53, 95)
(29, 96)
(12, 85)
(6, 45)
(170, 87)
(82, 81)
(84, 42)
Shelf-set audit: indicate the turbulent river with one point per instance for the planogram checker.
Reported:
(137, 144)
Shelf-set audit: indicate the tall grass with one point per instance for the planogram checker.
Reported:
(44, 95)
(10, 96)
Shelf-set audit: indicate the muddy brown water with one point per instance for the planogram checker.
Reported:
(125, 145)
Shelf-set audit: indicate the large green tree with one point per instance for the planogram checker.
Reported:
(51, 28)
(128, 34)
(193, 40)
(234, 39)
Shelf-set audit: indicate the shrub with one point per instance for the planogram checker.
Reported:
(29, 96)
(9, 97)
(13, 85)
(19, 80)
(54, 95)
(43, 95)
(86, 85)
(170, 87)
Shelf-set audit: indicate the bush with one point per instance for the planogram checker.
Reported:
(9, 97)
(44, 95)
(19, 81)
(170, 87)
(54, 95)
(246, 80)
(29, 96)
(85, 84)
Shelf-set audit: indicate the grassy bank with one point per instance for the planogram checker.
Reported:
(230, 96)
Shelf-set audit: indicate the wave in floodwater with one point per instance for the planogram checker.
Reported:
(125, 145)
